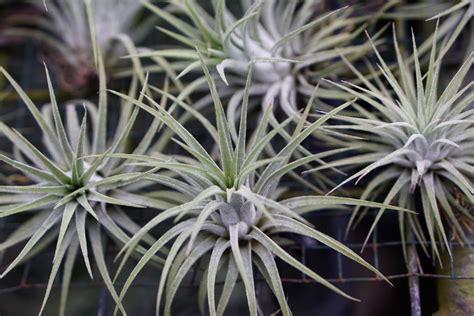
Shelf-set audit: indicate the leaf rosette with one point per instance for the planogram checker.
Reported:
(78, 192)
(423, 140)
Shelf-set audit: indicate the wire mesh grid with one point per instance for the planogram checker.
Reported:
(27, 68)
(342, 273)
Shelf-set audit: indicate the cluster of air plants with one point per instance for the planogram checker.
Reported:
(62, 30)
(231, 210)
(226, 189)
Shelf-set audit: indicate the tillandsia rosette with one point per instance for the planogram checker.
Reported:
(235, 212)
(424, 142)
(63, 31)
(78, 195)
(292, 44)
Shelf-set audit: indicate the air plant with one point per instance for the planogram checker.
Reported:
(236, 211)
(64, 33)
(423, 140)
(77, 191)
(292, 45)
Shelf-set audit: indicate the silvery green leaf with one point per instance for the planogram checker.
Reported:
(220, 247)
(97, 250)
(55, 268)
(60, 131)
(67, 274)
(66, 219)
(45, 226)
(275, 281)
(241, 256)
(229, 283)
(165, 238)
(282, 254)
(36, 203)
(199, 250)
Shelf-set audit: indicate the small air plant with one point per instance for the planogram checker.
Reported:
(291, 44)
(424, 142)
(235, 211)
(78, 191)
(64, 33)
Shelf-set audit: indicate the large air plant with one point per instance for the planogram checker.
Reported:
(77, 191)
(292, 44)
(64, 33)
(418, 144)
(235, 210)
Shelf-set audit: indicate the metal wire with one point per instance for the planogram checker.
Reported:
(343, 275)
